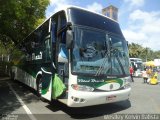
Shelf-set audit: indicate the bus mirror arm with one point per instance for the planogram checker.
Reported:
(69, 39)
(68, 26)
(127, 43)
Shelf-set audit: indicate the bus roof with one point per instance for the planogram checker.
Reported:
(71, 7)
(80, 8)
(76, 7)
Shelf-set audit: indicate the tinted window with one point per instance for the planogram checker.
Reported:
(82, 17)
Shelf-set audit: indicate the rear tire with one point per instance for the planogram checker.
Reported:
(39, 86)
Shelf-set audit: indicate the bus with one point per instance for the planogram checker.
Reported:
(77, 57)
(137, 65)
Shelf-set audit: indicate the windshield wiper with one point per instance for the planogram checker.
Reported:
(101, 68)
(122, 68)
(106, 57)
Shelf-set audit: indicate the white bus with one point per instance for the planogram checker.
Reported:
(137, 65)
(77, 57)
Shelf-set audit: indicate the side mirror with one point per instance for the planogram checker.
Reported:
(69, 39)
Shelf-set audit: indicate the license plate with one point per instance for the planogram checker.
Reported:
(111, 98)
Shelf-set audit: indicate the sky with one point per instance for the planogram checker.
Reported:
(139, 19)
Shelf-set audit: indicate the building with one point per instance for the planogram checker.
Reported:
(111, 11)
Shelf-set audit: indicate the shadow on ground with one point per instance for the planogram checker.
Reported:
(8, 101)
(90, 112)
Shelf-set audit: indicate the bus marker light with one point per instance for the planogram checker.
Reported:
(76, 99)
(82, 100)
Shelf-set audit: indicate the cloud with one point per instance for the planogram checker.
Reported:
(56, 5)
(144, 29)
(130, 5)
(134, 3)
(150, 21)
(127, 7)
(95, 7)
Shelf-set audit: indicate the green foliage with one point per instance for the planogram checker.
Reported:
(135, 50)
(146, 54)
(6, 47)
(19, 17)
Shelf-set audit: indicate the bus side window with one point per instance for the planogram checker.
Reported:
(47, 50)
(53, 36)
(53, 32)
(46, 38)
(62, 25)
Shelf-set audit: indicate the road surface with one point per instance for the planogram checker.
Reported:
(18, 102)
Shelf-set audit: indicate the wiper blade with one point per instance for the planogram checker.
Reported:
(101, 68)
(116, 50)
(106, 56)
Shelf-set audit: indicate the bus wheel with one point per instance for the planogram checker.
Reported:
(39, 86)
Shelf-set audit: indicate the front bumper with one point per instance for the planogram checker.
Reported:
(81, 99)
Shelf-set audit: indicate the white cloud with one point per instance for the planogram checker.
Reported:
(95, 7)
(129, 6)
(149, 20)
(133, 36)
(144, 28)
(56, 5)
(59, 4)
(134, 3)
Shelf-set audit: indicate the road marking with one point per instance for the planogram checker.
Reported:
(29, 113)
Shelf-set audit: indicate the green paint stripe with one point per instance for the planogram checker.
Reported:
(44, 91)
(117, 80)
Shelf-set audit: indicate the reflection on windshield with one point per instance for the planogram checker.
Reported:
(97, 53)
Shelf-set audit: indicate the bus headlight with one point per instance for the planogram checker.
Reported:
(82, 88)
(127, 82)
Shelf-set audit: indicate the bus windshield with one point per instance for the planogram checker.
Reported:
(97, 53)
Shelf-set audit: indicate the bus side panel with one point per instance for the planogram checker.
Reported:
(24, 77)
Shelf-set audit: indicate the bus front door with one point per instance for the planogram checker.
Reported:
(46, 90)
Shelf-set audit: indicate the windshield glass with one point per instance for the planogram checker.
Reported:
(96, 52)
(139, 66)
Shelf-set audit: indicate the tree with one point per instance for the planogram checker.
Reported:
(135, 50)
(19, 17)
(145, 53)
